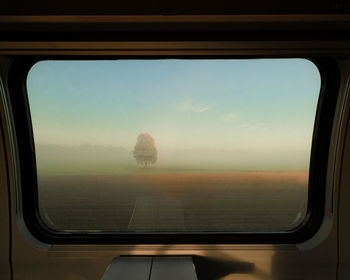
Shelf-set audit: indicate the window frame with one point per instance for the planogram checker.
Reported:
(325, 113)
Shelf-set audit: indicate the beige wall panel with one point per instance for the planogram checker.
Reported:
(232, 262)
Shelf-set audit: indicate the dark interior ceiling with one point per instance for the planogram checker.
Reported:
(170, 7)
(174, 20)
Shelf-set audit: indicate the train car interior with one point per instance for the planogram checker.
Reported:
(175, 140)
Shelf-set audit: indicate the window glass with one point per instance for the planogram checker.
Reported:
(173, 145)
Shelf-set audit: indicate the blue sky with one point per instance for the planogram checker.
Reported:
(258, 104)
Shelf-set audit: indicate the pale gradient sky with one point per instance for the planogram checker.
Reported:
(264, 105)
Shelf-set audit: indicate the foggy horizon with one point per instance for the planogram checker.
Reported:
(86, 158)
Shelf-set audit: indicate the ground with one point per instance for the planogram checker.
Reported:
(232, 201)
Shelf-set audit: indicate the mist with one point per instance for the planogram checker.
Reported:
(93, 159)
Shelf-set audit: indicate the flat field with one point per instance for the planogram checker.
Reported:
(185, 202)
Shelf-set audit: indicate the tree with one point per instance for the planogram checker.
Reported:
(145, 151)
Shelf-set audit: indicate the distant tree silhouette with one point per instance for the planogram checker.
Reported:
(145, 151)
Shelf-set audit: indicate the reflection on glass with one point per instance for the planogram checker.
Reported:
(173, 145)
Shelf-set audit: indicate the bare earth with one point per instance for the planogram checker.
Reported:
(245, 201)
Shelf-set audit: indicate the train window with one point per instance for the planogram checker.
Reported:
(173, 145)
(184, 150)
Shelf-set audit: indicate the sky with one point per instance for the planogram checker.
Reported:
(258, 108)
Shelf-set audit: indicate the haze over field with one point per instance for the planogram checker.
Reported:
(87, 159)
(204, 115)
